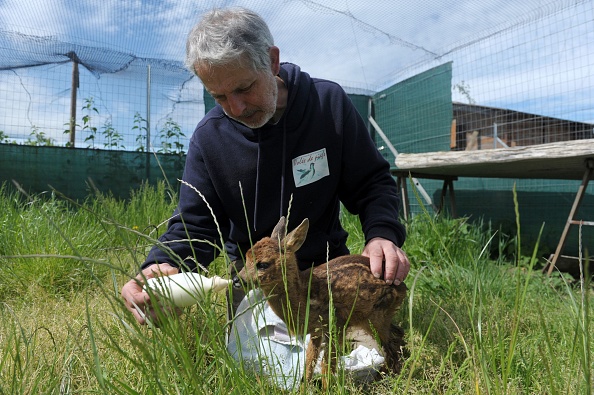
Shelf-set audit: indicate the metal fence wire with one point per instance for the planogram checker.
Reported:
(435, 76)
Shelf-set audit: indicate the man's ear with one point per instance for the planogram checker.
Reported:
(274, 59)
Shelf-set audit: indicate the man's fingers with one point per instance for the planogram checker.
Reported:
(138, 313)
(387, 260)
(390, 273)
(136, 299)
(403, 266)
(376, 263)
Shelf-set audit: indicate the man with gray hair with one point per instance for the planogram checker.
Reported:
(279, 143)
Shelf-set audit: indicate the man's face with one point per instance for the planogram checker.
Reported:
(246, 95)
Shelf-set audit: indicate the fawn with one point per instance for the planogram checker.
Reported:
(346, 284)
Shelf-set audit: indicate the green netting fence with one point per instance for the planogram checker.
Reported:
(77, 173)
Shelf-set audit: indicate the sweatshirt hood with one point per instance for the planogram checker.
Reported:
(297, 84)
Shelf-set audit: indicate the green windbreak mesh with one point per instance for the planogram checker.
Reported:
(76, 172)
(416, 114)
(361, 103)
(209, 102)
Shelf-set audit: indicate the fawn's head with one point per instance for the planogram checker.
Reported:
(270, 258)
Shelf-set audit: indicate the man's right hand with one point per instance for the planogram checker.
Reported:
(137, 300)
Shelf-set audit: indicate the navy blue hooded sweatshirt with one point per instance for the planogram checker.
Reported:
(318, 155)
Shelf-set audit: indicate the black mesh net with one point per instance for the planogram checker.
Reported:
(508, 73)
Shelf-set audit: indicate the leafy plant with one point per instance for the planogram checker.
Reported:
(4, 138)
(38, 138)
(113, 139)
(464, 89)
(171, 135)
(140, 127)
(88, 128)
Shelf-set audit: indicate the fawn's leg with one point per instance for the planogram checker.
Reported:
(332, 350)
(393, 345)
(311, 356)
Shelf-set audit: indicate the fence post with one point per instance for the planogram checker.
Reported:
(148, 122)
(73, 90)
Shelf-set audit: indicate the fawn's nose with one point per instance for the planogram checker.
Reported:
(237, 283)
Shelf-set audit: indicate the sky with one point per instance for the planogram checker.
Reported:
(364, 44)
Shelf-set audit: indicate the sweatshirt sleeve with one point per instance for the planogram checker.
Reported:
(367, 187)
(195, 229)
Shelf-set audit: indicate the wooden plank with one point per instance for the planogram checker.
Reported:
(561, 160)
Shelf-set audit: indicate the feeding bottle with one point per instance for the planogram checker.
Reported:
(185, 289)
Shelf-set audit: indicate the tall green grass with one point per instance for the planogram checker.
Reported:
(475, 323)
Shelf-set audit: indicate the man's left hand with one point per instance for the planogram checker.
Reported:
(382, 251)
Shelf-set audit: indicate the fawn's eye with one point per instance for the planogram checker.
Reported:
(262, 265)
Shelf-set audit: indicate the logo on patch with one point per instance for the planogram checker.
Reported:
(310, 167)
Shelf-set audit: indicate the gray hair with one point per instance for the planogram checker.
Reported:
(231, 35)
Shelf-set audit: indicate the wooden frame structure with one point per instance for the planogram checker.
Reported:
(568, 160)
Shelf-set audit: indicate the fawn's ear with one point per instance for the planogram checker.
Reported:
(280, 230)
(295, 239)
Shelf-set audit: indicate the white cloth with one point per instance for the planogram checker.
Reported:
(261, 340)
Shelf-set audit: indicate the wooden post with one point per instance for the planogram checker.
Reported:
(589, 172)
(148, 123)
(453, 134)
(73, 91)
